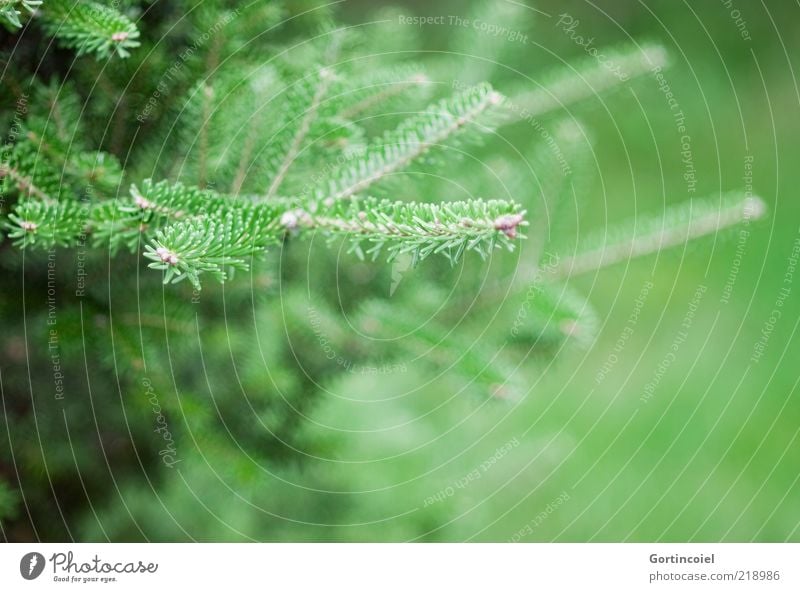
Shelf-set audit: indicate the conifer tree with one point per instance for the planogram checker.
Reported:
(213, 146)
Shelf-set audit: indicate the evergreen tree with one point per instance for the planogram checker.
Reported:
(220, 141)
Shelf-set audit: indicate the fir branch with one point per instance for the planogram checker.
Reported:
(214, 234)
(325, 78)
(382, 90)
(411, 140)
(24, 184)
(488, 370)
(588, 79)
(36, 223)
(255, 120)
(123, 222)
(244, 160)
(421, 229)
(90, 27)
(213, 245)
(23, 168)
(206, 97)
(99, 169)
(553, 314)
(47, 158)
(11, 10)
(678, 225)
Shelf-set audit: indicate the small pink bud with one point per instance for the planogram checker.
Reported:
(142, 203)
(570, 327)
(508, 224)
(501, 391)
(294, 218)
(167, 256)
(289, 220)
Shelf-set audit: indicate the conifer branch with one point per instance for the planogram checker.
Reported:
(244, 160)
(206, 97)
(589, 79)
(213, 245)
(90, 27)
(386, 90)
(24, 184)
(325, 79)
(411, 140)
(36, 223)
(98, 168)
(422, 229)
(195, 232)
(677, 226)
(11, 10)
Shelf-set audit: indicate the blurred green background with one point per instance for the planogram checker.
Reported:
(406, 434)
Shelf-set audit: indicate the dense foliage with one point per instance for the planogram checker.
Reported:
(369, 235)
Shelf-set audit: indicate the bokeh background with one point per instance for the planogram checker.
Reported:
(422, 426)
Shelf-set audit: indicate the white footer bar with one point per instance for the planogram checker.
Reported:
(390, 567)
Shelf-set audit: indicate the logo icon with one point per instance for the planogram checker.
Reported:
(31, 565)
